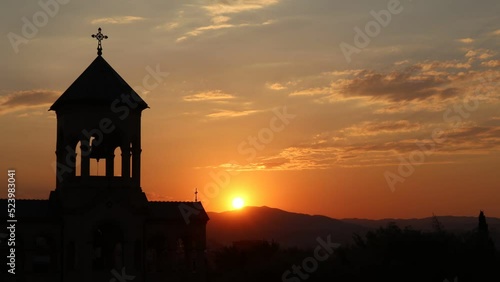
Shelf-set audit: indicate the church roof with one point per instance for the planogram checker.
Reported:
(35, 210)
(177, 211)
(99, 84)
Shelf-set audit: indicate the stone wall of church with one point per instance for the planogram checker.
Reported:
(175, 251)
(101, 243)
(38, 251)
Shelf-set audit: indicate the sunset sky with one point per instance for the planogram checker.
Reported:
(304, 105)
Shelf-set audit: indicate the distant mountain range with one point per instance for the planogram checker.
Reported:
(301, 230)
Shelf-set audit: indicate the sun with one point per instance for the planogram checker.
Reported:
(238, 203)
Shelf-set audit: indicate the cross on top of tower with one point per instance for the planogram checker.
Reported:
(99, 36)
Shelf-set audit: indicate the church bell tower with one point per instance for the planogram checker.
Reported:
(98, 120)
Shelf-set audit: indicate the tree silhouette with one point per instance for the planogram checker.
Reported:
(436, 224)
(388, 253)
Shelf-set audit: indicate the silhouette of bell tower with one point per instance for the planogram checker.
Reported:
(97, 114)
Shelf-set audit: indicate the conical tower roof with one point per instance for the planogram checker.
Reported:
(99, 84)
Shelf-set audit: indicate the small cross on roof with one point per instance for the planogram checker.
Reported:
(100, 37)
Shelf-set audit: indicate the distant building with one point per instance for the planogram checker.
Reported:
(102, 227)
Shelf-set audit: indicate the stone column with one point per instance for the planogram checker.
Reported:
(136, 165)
(85, 159)
(126, 161)
(110, 165)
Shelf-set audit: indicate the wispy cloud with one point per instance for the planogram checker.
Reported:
(117, 20)
(21, 100)
(327, 152)
(436, 65)
(200, 30)
(276, 86)
(222, 12)
(212, 95)
(481, 54)
(403, 62)
(312, 92)
(233, 7)
(168, 26)
(491, 63)
(371, 128)
(421, 86)
(466, 40)
(409, 84)
(173, 23)
(218, 20)
(230, 114)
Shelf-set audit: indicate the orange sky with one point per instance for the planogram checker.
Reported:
(259, 99)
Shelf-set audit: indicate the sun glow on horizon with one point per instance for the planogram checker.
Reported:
(238, 203)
